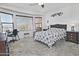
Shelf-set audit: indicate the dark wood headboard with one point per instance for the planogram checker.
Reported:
(62, 26)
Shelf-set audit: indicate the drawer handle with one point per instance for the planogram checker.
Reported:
(71, 34)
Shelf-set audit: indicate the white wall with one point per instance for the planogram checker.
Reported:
(70, 16)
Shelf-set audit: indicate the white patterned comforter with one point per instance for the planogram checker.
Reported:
(50, 36)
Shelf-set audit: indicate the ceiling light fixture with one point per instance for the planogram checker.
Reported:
(41, 4)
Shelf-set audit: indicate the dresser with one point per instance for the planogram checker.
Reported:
(3, 45)
(2, 48)
(73, 36)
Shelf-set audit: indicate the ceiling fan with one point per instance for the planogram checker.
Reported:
(34, 4)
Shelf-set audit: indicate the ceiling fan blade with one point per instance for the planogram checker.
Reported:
(33, 4)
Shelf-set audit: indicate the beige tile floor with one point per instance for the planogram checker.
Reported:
(29, 47)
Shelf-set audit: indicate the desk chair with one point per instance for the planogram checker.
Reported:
(14, 34)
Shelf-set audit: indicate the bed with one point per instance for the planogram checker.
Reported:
(50, 36)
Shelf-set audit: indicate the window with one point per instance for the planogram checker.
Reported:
(6, 22)
(7, 26)
(24, 23)
(6, 17)
(38, 23)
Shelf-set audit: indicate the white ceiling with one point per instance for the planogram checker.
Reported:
(35, 8)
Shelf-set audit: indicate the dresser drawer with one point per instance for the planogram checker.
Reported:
(71, 34)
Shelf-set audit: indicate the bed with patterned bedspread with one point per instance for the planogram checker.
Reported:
(50, 36)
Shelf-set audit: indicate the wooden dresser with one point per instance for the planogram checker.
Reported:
(2, 48)
(73, 37)
(3, 45)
